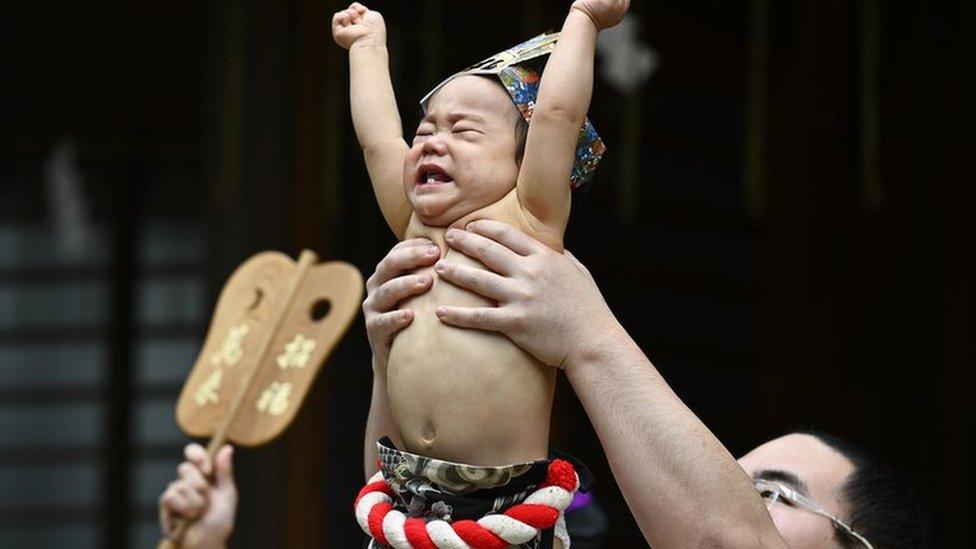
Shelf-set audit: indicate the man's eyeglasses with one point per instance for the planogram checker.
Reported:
(773, 491)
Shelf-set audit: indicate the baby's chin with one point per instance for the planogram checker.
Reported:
(435, 211)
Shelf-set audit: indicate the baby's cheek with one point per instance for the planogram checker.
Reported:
(409, 162)
(411, 157)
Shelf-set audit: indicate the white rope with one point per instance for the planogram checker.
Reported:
(366, 504)
(393, 530)
(444, 537)
(509, 529)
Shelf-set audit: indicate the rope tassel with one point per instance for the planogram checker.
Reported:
(518, 524)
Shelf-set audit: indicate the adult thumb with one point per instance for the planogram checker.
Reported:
(224, 470)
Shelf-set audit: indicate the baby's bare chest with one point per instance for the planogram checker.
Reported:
(427, 335)
(429, 341)
(436, 356)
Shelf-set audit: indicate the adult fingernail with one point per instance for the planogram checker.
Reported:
(439, 266)
(432, 250)
(421, 280)
(451, 234)
(439, 311)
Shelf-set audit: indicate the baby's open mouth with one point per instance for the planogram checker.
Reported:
(430, 174)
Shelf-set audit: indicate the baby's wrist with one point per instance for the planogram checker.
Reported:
(369, 43)
(379, 368)
(577, 11)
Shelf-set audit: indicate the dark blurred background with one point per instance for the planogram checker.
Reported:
(784, 222)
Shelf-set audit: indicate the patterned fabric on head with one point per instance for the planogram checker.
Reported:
(517, 70)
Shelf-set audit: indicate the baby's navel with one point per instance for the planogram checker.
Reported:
(428, 433)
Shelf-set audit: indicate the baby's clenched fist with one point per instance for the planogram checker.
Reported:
(603, 13)
(358, 25)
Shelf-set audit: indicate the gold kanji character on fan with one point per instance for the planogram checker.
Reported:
(231, 349)
(296, 352)
(274, 399)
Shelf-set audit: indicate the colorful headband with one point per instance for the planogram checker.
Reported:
(521, 79)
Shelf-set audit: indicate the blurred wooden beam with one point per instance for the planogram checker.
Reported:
(872, 192)
(754, 159)
(814, 259)
(117, 471)
(317, 202)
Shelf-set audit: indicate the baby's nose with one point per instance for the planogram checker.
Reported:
(435, 144)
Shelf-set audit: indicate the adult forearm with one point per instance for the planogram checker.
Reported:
(681, 484)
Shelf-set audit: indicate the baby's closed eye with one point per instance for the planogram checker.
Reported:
(467, 132)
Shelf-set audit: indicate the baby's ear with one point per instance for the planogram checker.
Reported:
(521, 132)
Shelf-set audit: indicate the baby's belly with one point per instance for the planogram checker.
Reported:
(464, 395)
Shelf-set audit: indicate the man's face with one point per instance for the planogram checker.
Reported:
(463, 156)
(809, 466)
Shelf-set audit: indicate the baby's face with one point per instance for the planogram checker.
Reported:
(463, 156)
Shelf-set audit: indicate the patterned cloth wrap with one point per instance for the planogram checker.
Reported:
(519, 69)
(435, 489)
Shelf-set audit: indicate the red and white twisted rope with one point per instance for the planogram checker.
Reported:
(518, 524)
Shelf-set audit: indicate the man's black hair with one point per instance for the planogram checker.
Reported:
(882, 505)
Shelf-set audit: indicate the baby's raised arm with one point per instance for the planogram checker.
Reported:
(564, 97)
(374, 110)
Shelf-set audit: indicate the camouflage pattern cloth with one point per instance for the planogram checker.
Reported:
(436, 489)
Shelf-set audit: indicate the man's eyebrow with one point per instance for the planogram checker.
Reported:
(786, 477)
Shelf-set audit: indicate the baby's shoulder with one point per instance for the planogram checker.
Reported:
(506, 209)
(509, 210)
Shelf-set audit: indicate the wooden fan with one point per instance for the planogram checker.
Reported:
(275, 324)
